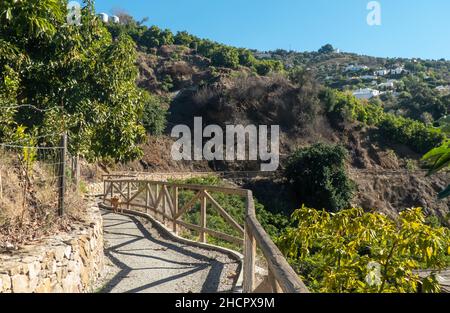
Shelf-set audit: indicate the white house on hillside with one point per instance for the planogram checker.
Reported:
(390, 84)
(368, 77)
(398, 71)
(263, 55)
(107, 19)
(104, 17)
(382, 72)
(367, 93)
(115, 19)
(355, 68)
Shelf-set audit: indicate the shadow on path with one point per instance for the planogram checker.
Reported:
(149, 262)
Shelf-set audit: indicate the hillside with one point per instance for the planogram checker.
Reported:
(414, 88)
(118, 113)
(189, 85)
(327, 170)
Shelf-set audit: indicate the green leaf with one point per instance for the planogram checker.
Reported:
(8, 14)
(438, 158)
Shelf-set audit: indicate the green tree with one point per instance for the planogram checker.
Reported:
(152, 37)
(326, 49)
(265, 67)
(318, 176)
(353, 251)
(154, 116)
(184, 39)
(225, 57)
(167, 37)
(246, 58)
(343, 108)
(76, 78)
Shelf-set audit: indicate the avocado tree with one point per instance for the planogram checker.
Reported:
(74, 78)
(355, 251)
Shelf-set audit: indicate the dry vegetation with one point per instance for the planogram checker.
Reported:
(28, 204)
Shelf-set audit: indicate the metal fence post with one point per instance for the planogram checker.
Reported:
(62, 174)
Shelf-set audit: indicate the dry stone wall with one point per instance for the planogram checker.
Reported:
(69, 263)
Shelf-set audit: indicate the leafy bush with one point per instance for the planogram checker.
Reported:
(415, 134)
(154, 117)
(225, 57)
(167, 83)
(353, 251)
(328, 48)
(184, 39)
(246, 58)
(267, 66)
(318, 176)
(154, 37)
(343, 107)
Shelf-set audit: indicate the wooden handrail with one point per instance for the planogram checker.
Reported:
(162, 199)
(225, 190)
(282, 272)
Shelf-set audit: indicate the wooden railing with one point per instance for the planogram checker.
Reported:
(162, 199)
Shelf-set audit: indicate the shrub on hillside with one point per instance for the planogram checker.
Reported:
(343, 107)
(154, 37)
(417, 135)
(225, 57)
(184, 38)
(246, 58)
(326, 49)
(154, 117)
(267, 66)
(318, 176)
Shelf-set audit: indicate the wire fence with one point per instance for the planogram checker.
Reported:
(34, 180)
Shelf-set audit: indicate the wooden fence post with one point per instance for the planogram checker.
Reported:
(273, 283)
(203, 217)
(104, 191)
(157, 213)
(164, 205)
(249, 261)
(128, 195)
(147, 197)
(175, 210)
(76, 172)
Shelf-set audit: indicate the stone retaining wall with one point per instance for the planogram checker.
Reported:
(68, 263)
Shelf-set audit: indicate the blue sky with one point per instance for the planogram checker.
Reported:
(410, 28)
